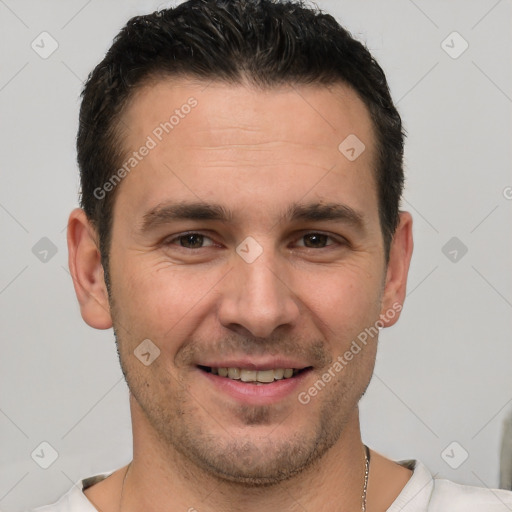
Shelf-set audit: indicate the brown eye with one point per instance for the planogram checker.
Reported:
(191, 241)
(315, 240)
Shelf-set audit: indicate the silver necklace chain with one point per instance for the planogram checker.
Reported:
(363, 497)
(366, 473)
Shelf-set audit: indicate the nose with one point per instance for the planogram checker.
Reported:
(257, 299)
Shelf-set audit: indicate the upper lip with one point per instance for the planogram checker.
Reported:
(255, 364)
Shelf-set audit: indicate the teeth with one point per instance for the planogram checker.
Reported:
(234, 373)
(278, 374)
(263, 376)
(248, 375)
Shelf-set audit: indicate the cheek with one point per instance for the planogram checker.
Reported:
(345, 299)
(164, 301)
(160, 300)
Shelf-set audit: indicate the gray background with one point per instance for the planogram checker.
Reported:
(443, 374)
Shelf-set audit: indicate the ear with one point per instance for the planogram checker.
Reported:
(87, 271)
(398, 267)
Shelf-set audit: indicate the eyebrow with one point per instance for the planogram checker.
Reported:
(168, 212)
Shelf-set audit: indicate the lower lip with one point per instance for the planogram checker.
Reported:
(257, 394)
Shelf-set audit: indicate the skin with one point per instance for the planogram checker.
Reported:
(255, 153)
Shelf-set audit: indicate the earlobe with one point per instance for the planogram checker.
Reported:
(87, 272)
(397, 271)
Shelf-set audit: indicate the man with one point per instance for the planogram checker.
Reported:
(241, 169)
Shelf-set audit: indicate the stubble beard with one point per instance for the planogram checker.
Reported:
(250, 460)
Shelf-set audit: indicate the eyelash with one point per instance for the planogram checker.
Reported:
(336, 241)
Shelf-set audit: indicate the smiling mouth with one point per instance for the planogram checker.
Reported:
(251, 376)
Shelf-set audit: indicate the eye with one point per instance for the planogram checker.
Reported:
(316, 240)
(191, 241)
(195, 240)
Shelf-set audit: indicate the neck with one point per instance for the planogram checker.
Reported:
(160, 478)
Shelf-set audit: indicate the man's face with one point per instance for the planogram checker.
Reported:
(281, 282)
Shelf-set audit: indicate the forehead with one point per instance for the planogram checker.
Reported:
(250, 144)
(311, 113)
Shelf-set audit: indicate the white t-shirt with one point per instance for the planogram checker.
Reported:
(422, 493)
